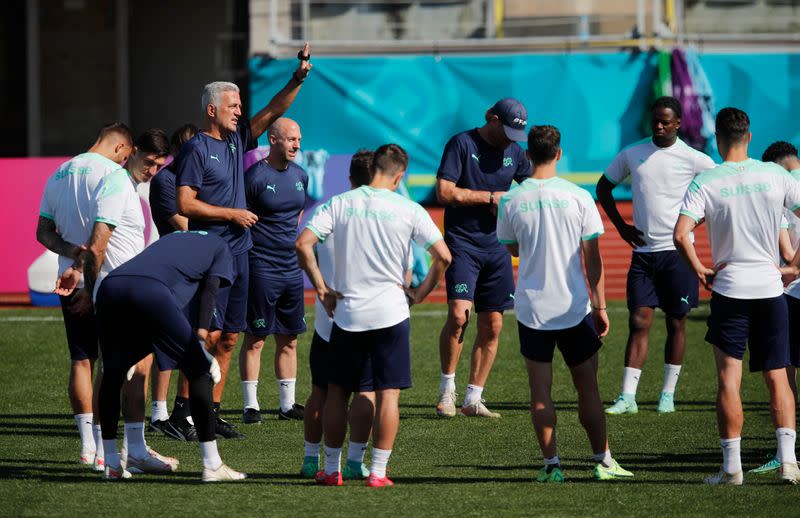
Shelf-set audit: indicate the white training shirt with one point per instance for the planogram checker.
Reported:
(68, 198)
(549, 219)
(659, 179)
(742, 203)
(372, 229)
(793, 226)
(118, 205)
(322, 322)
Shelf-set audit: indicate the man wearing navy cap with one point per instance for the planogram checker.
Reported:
(477, 168)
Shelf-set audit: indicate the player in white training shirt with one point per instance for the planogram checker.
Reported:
(550, 223)
(65, 223)
(369, 348)
(741, 202)
(660, 169)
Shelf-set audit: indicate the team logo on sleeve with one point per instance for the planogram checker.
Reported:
(461, 288)
(299, 186)
(508, 161)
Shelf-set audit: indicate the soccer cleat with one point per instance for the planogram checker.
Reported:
(222, 474)
(666, 403)
(294, 413)
(153, 463)
(183, 430)
(99, 464)
(87, 458)
(612, 472)
(251, 416)
(374, 481)
(354, 470)
(447, 404)
(226, 430)
(555, 475)
(118, 473)
(334, 479)
(310, 467)
(623, 405)
(478, 409)
(725, 479)
(773, 464)
(168, 428)
(790, 473)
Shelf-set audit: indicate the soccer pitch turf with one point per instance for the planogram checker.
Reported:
(461, 466)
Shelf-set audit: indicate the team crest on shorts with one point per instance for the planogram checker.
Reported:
(259, 323)
(461, 288)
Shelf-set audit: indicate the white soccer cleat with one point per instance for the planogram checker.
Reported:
(118, 473)
(87, 458)
(99, 464)
(725, 479)
(222, 474)
(478, 409)
(153, 463)
(790, 473)
(447, 404)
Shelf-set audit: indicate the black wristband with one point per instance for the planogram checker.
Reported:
(301, 57)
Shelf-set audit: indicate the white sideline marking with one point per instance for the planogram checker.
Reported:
(31, 319)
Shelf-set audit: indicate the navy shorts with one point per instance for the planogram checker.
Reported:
(81, 332)
(231, 311)
(318, 358)
(663, 280)
(139, 315)
(793, 305)
(485, 278)
(365, 361)
(760, 324)
(275, 306)
(577, 344)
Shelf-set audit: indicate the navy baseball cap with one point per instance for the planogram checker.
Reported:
(514, 117)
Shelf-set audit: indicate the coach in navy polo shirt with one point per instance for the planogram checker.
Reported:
(477, 167)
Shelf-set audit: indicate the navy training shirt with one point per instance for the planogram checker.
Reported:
(472, 163)
(216, 169)
(163, 202)
(277, 198)
(181, 260)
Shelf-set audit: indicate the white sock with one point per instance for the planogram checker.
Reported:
(134, 433)
(448, 383)
(286, 391)
(333, 460)
(380, 459)
(111, 453)
(356, 451)
(312, 449)
(551, 461)
(84, 424)
(630, 380)
(98, 440)
(731, 455)
(210, 455)
(786, 441)
(473, 395)
(158, 411)
(603, 458)
(671, 373)
(249, 390)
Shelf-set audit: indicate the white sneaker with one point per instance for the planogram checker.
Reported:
(87, 458)
(478, 409)
(153, 463)
(99, 464)
(222, 474)
(447, 404)
(118, 473)
(725, 479)
(790, 473)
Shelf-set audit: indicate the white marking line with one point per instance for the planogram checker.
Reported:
(31, 319)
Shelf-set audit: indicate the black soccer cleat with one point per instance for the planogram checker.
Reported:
(180, 429)
(166, 427)
(251, 416)
(226, 430)
(294, 413)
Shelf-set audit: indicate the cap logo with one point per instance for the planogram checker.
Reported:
(519, 121)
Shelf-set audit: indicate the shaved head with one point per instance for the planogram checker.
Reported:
(282, 126)
(284, 142)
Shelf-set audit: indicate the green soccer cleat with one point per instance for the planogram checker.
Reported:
(624, 404)
(554, 476)
(354, 470)
(666, 403)
(772, 465)
(612, 472)
(310, 467)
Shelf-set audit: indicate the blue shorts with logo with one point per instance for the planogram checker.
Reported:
(137, 316)
(231, 307)
(81, 332)
(663, 280)
(365, 361)
(319, 361)
(793, 305)
(577, 344)
(275, 306)
(485, 278)
(761, 325)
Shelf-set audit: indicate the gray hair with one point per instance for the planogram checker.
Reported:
(212, 93)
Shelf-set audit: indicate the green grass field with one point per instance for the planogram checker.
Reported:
(465, 467)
